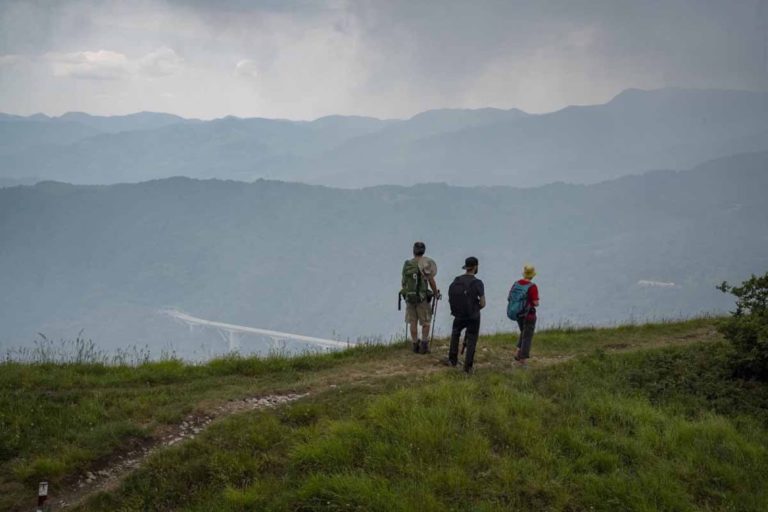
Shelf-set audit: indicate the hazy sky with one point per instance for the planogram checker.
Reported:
(387, 58)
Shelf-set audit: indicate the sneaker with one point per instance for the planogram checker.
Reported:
(424, 347)
(448, 362)
(469, 371)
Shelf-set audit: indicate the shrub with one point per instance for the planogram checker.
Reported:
(747, 328)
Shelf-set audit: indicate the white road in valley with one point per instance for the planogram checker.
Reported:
(242, 329)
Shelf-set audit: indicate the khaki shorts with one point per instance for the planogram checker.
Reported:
(421, 312)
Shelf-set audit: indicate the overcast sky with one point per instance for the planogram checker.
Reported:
(387, 58)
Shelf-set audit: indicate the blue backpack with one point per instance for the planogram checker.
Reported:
(517, 300)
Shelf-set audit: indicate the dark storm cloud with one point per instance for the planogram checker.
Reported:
(388, 58)
(691, 42)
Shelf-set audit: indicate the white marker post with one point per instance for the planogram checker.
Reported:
(42, 495)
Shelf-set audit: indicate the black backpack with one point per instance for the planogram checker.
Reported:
(463, 304)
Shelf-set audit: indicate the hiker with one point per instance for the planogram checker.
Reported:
(466, 297)
(522, 301)
(418, 290)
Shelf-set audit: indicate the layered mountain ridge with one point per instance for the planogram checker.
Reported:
(634, 132)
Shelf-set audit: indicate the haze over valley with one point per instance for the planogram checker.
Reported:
(326, 262)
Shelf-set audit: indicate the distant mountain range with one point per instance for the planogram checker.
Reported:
(634, 132)
(326, 262)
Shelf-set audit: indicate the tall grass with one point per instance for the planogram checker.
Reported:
(80, 351)
(85, 351)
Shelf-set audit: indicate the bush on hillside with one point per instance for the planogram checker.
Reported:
(747, 328)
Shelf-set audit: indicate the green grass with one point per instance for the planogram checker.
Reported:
(655, 430)
(582, 340)
(58, 420)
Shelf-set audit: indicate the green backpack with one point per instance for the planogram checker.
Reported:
(414, 288)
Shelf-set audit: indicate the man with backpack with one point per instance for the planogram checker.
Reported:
(522, 301)
(466, 296)
(418, 276)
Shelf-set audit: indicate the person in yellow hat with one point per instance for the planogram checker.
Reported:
(523, 299)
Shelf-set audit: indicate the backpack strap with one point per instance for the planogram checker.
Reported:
(418, 282)
(528, 306)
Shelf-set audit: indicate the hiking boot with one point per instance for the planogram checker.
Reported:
(416, 347)
(424, 347)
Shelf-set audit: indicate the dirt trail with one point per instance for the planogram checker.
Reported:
(107, 475)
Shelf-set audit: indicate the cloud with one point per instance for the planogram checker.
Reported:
(110, 65)
(90, 65)
(385, 58)
(8, 60)
(247, 69)
(161, 62)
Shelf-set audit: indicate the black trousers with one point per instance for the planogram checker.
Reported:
(472, 325)
(527, 326)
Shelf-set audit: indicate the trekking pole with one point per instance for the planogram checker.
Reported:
(434, 318)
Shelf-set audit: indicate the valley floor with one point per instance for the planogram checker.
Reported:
(635, 418)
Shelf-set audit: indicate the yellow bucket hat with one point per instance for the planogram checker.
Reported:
(529, 271)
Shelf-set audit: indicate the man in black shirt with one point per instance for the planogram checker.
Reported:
(466, 297)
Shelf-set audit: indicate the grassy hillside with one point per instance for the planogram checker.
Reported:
(632, 418)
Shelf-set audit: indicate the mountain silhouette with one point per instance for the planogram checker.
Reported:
(636, 131)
